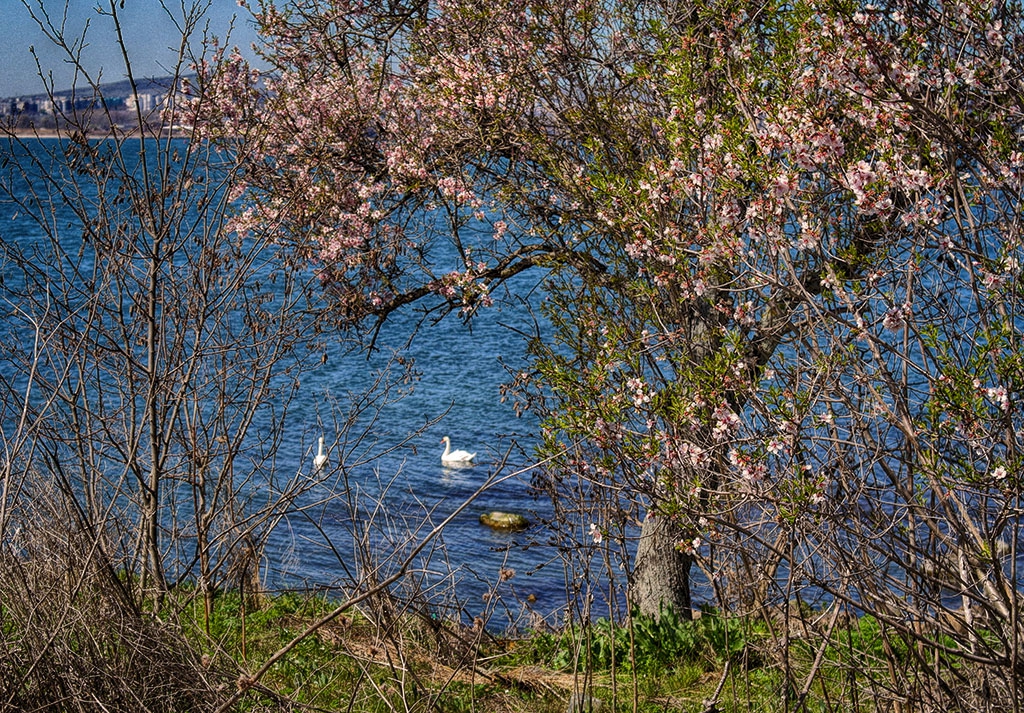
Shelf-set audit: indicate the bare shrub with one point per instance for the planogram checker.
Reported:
(73, 635)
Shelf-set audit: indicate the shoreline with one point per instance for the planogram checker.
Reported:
(162, 133)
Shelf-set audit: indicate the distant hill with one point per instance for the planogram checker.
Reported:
(80, 108)
(111, 90)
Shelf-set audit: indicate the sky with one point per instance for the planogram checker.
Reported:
(148, 31)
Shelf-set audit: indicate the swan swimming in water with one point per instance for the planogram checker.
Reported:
(450, 456)
(320, 459)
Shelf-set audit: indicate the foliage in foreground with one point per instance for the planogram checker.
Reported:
(367, 661)
(74, 636)
(362, 662)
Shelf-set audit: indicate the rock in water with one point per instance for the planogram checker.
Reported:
(504, 520)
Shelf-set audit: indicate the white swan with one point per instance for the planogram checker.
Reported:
(450, 456)
(320, 459)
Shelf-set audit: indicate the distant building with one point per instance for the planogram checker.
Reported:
(113, 103)
(25, 106)
(145, 102)
(56, 105)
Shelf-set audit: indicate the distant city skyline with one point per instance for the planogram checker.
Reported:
(149, 33)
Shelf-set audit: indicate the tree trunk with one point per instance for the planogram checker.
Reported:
(661, 573)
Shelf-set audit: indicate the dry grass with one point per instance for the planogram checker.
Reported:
(73, 636)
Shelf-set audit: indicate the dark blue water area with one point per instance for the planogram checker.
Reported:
(391, 486)
(461, 369)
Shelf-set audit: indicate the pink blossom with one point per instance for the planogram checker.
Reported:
(994, 33)
(641, 395)
(776, 447)
(726, 422)
(744, 314)
(784, 186)
(896, 318)
(992, 281)
(999, 395)
(690, 547)
(750, 469)
(858, 178)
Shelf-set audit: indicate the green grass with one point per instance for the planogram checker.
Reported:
(412, 664)
(650, 646)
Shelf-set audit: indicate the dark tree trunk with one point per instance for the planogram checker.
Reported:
(661, 574)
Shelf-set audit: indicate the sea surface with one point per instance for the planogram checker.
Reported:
(457, 393)
(381, 509)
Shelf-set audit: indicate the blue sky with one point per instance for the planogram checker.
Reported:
(149, 34)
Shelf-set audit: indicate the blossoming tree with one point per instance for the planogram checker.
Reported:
(780, 253)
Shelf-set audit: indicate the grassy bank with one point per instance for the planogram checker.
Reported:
(404, 661)
(91, 648)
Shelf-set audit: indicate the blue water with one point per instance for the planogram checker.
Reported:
(461, 369)
(389, 489)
